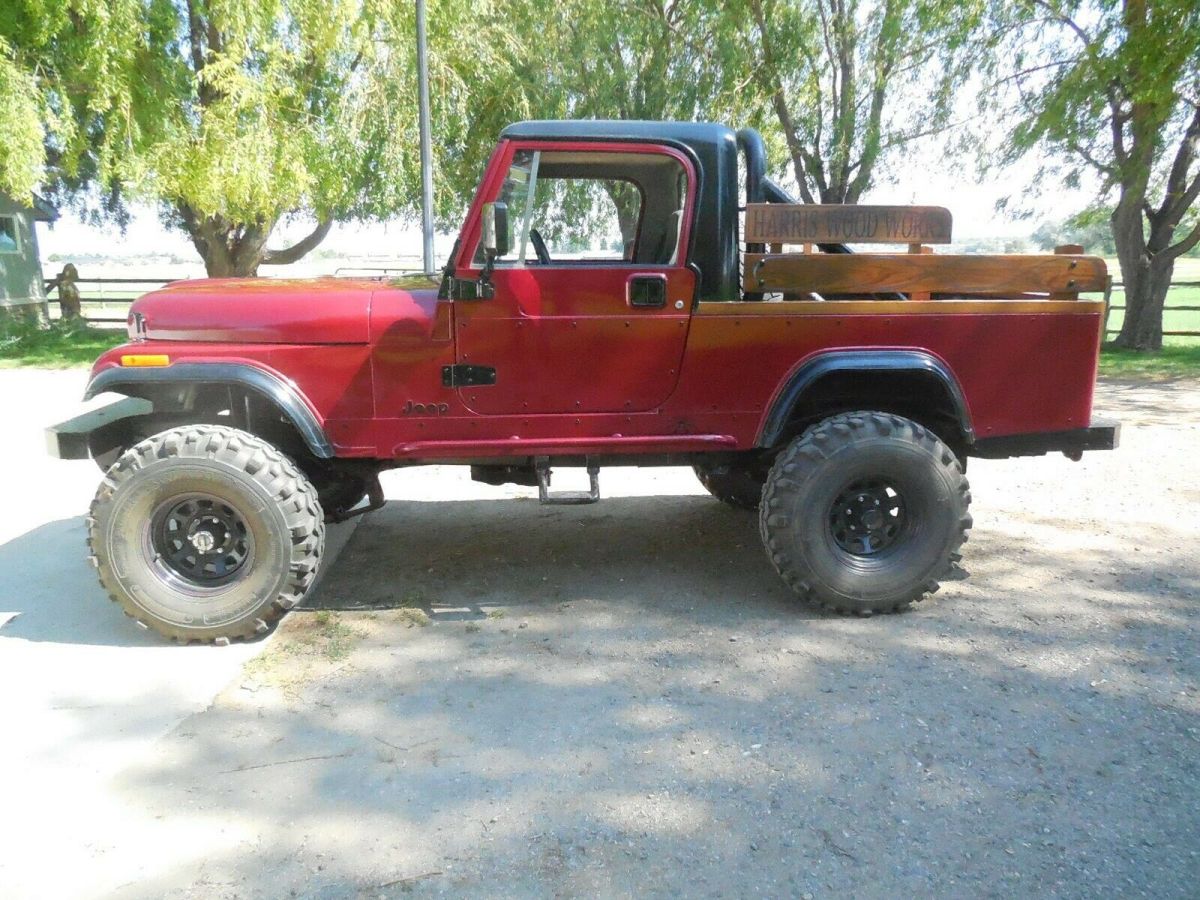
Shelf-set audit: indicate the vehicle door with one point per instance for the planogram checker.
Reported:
(590, 307)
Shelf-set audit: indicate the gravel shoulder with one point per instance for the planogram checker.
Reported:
(494, 698)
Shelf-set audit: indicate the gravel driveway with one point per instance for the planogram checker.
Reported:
(495, 698)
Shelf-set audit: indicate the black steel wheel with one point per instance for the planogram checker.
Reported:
(206, 533)
(868, 517)
(199, 542)
(865, 512)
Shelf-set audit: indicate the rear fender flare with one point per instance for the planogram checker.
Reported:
(824, 364)
(282, 393)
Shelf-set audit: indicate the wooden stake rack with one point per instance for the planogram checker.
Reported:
(919, 273)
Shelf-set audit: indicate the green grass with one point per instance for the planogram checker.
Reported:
(1173, 319)
(1179, 358)
(58, 347)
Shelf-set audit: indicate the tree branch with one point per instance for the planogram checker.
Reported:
(1091, 159)
(1185, 245)
(194, 29)
(779, 102)
(1068, 21)
(290, 254)
(1175, 199)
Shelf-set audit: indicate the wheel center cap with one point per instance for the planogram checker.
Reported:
(872, 519)
(203, 541)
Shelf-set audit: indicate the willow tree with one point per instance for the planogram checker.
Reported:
(1112, 87)
(851, 83)
(236, 116)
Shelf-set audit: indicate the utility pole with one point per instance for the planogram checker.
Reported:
(426, 151)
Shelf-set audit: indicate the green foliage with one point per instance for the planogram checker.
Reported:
(620, 59)
(20, 125)
(1089, 229)
(1112, 87)
(852, 83)
(1078, 68)
(235, 115)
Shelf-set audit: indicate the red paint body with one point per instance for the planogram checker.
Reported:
(580, 371)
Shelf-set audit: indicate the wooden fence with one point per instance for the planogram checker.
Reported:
(1118, 286)
(105, 301)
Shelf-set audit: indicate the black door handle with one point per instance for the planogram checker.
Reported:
(647, 291)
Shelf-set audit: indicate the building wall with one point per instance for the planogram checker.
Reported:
(20, 271)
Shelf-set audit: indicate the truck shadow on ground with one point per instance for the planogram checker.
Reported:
(450, 558)
(454, 558)
(654, 711)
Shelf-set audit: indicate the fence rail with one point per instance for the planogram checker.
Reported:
(377, 271)
(98, 296)
(1174, 284)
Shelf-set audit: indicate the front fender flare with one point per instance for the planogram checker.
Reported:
(282, 393)
(816, 368)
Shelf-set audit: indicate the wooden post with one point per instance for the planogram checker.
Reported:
(919, 248)
(1068, 250)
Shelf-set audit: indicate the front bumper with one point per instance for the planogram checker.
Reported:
(69, 439)
(1102, 434)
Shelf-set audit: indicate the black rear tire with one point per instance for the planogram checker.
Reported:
(737, 484)
(206, 533)
(865, 512)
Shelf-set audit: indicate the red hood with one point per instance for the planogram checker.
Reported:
(265, 310)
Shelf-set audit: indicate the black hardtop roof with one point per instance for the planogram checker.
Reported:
(688, 133)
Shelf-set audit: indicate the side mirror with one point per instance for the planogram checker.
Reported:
(495, 230)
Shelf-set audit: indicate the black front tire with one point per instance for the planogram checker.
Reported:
(206, 533)
(865, 512)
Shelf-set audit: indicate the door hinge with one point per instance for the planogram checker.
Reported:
(467, 376)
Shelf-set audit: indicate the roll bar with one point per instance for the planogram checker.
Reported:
(761, 189)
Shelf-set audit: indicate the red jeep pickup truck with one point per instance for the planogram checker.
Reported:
(618, 295)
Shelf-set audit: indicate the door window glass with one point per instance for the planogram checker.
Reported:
(516, 194)
(582, 220)
(581, 208)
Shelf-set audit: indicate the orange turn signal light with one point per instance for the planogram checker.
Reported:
(146, 359)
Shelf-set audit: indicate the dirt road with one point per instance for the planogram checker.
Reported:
(622, 700)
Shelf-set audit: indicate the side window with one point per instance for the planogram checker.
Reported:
(584, 220)
(581, 208)
(9, 242)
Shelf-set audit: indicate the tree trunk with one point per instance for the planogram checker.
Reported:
(1146, 270)
(237, 249)
(628, 201)
(1146, 289)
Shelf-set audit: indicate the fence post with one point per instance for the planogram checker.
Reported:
(1107, 310)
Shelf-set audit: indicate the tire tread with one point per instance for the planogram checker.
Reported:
(265, 464)
(801, 459)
